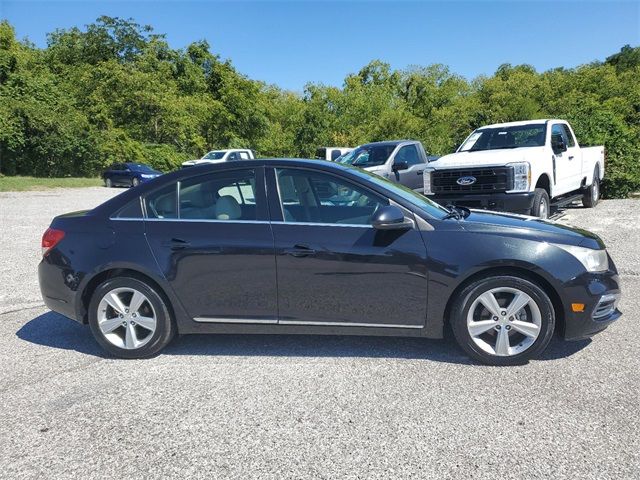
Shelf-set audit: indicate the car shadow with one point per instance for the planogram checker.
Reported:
(56, 331)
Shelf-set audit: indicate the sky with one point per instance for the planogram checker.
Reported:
(295, 42)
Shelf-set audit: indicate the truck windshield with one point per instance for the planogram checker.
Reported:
(496, 138)
(368, 155)
(213, 156)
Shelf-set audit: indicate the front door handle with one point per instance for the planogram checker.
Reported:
(420, 172)
(570, 157)
(176, 244)
(299, 251)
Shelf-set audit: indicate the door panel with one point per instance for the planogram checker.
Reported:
(351, 275)
(333, 267)
(214, 244)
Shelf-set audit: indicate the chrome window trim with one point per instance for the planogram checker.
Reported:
(319, 224)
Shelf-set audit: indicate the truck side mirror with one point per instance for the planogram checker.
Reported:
(399, 165)
(557, 143)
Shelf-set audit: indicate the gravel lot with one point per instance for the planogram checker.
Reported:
(307, 406)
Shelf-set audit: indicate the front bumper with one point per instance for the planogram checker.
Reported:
(503, 202)
(599, 293)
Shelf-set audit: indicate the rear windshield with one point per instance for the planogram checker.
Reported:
(499, 138)
(214, 155)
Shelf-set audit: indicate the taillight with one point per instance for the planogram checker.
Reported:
(50, 239)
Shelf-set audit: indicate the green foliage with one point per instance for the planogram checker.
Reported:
(116, 92)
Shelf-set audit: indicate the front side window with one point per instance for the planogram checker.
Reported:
(409, 154)
(313, 197)
(558, 131)
(221, 196)
(569, 137)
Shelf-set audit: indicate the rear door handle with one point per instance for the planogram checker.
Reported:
(299, 251)
(420, 172)
(176, 244)
(570, 157)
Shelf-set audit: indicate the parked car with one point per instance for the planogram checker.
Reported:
(522, 167)
(128, 174)
(219, 156)
(308, 247)
(401, 161)
(331, 153)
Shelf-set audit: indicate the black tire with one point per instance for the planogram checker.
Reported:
(591, 195)
(541, 204)
(164, 330)
(108, 183)
(466, 299)
(135, 182)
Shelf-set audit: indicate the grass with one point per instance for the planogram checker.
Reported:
(19, 184)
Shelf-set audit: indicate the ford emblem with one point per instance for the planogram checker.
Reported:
(466, 180)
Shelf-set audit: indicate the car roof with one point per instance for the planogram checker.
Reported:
(522, 123)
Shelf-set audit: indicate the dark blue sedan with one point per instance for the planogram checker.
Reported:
(128, 174)
(307, 247)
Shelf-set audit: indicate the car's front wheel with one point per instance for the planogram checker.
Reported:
(505, 320)
(108, 183)
(129, 318)
(135, 182)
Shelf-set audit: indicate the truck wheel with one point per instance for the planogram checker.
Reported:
(592, 194)
(540, 206)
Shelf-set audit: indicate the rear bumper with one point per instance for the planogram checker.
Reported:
(58, 287)
(600, 294)
(504, 202)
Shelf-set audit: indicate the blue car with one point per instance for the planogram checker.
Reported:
(128, 174)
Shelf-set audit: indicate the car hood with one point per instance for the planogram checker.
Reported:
(531, 228)
(485, 157)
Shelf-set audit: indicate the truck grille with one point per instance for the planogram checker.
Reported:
(487, 180)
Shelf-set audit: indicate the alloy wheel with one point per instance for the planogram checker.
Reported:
(126, 318)
(504, 321)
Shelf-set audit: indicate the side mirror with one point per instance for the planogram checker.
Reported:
(557, 144)
(390, 217)
(399, 165)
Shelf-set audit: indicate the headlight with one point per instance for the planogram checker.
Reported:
(148, 175)
(521, 176)
(593, 260)
(426, 179)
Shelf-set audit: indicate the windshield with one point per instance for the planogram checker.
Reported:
(420, 201)
(498, 138)
(215, 155)
(139, 167)
(368, 155)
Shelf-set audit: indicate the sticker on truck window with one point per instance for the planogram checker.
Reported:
(471, 141)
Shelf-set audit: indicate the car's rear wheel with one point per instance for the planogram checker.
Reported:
(129, 318)
(504, 320)
(108, 183)
(135, 182)
(591, 195)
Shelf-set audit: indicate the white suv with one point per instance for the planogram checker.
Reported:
(219, 156)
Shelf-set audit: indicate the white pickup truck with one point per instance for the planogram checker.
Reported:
(522, 167)
(219, 156)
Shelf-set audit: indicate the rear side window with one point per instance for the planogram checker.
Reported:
(132, 209)
(222, 196)
(162, 203)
